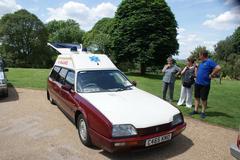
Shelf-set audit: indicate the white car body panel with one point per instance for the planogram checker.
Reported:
(85, 62)
(136, 107)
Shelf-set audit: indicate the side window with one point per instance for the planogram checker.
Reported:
(70, 78)
(62, 75)
(54, 72)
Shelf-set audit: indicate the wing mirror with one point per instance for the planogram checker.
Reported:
(134, 83)
(66, 87)
(5, 70)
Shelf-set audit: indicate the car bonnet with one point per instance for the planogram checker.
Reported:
(134, 106)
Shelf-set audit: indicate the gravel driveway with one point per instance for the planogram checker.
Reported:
(32, 128)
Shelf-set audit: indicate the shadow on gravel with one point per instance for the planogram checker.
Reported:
(12, 95)
(178, 146)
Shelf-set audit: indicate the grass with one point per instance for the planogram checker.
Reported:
(223, 105)
(28, 78)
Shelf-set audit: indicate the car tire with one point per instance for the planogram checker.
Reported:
(83, 131)
(50, 98)
(6, 93)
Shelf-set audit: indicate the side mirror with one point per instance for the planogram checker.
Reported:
(5, 70)
(66, 87)
(134, 83)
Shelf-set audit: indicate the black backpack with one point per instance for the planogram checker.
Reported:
(188, 78)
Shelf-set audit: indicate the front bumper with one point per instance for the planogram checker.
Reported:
(137, 142)
(235, 152)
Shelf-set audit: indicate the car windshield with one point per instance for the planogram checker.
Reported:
(102, 81)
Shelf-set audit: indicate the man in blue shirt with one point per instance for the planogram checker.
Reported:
(207, 70)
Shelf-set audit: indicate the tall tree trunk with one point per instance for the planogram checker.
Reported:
(142, 69)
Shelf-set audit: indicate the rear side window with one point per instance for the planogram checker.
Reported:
(54, 72)
(70, 78)
(62, 75)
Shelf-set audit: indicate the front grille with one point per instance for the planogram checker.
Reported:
(154, 129)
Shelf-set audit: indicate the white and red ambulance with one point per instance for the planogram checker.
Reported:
(108, 110)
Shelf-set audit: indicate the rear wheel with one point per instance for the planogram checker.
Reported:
(83, 131)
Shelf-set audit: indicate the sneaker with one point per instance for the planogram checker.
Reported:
(193, 112)
(203, 115)
(179, 104)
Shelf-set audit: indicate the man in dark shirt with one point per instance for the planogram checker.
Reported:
(207, 70)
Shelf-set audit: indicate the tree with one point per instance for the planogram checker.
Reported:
(144, 33)
(24, 39)
(227, 52)
(199, 49)
(236, 41)
(64, 31)
(224, 49)
(231, 45)
(99, 38)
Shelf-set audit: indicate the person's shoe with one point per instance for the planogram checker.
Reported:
(203, 115)
(188, 106)
(179, 104)
(193, 112)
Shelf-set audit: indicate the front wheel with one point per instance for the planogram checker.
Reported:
(83, 131)
(6, 93)
(50, 98)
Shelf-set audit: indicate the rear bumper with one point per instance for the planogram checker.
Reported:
(235, 152)
(130, 143)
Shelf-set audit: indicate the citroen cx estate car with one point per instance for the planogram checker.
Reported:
(107, 109)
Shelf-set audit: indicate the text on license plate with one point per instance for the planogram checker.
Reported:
(157, 140)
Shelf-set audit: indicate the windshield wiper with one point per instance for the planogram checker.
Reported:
(124, 88)
(120, 89)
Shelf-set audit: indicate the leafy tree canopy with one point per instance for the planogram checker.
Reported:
(227, 52)
(24, 39)
(199, 49)
(144, 32)
(64, 31)
(99, 38)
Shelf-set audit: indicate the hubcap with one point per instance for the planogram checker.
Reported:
(83, 130)
(50, 98)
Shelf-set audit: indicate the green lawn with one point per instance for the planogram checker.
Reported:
(224, 100)
(28, 78)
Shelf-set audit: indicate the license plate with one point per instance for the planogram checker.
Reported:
(157, 140)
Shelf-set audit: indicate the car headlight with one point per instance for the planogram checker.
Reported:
(123, 130)
(177, 119)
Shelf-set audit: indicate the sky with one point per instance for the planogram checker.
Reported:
(200, 22)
